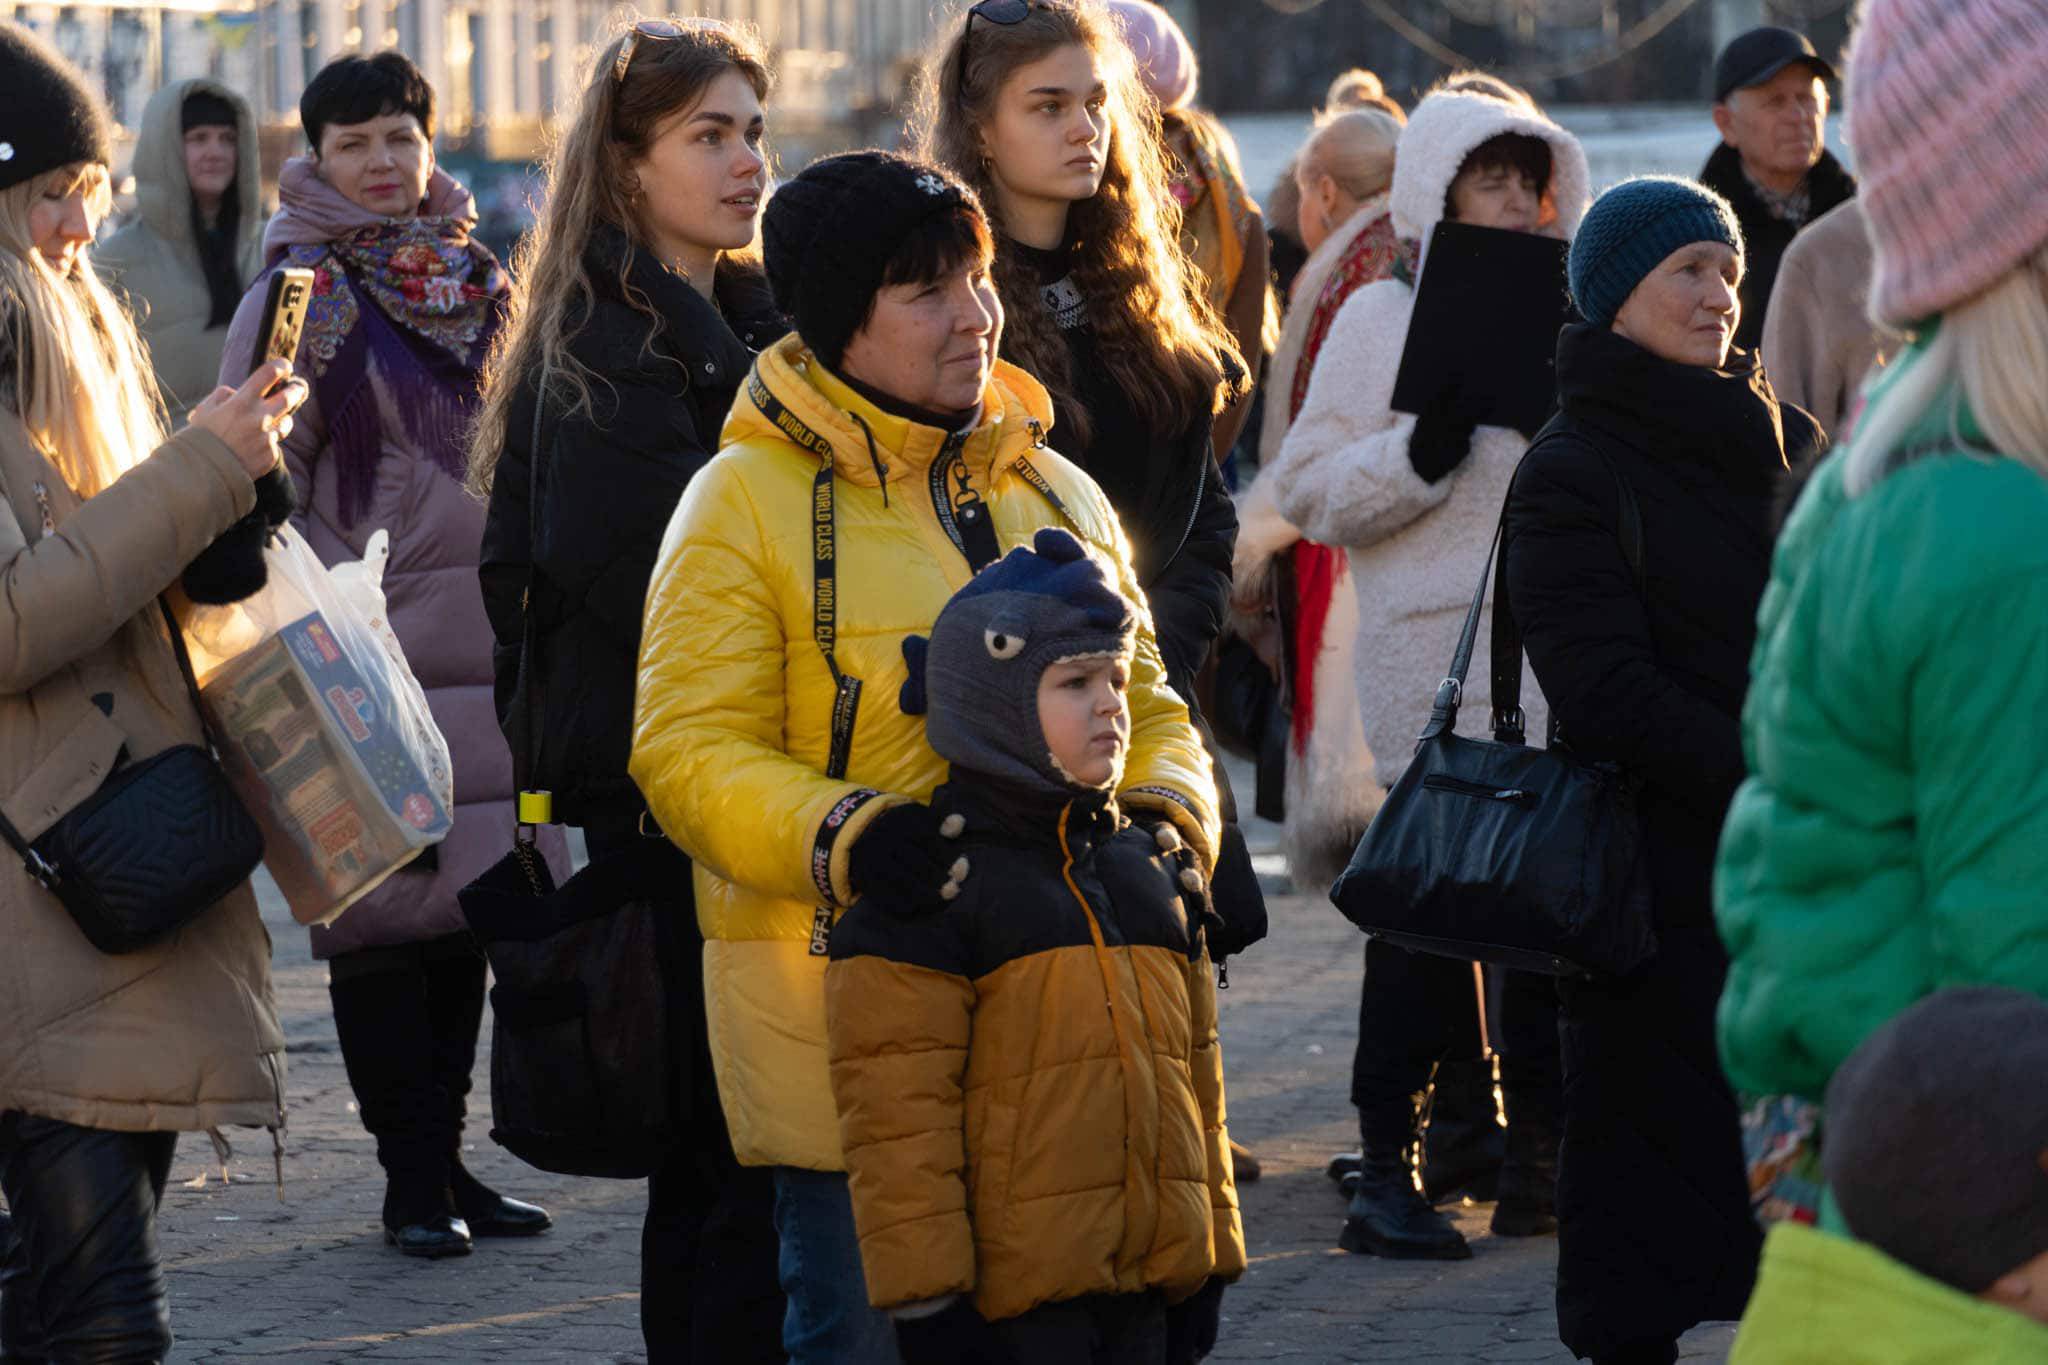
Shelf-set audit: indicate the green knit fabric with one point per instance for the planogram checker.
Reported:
(1893, 834)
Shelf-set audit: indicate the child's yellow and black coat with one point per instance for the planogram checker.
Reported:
(1029, 1084)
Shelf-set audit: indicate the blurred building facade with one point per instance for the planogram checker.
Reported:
(499, 66)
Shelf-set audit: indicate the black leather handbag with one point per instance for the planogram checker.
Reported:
(598, 982)
(1499, 852)
(159, 841)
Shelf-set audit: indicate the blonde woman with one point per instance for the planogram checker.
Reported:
(643, 304)
(106, 1059)
(1892, 837)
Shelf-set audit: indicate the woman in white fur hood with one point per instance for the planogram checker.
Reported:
(1414, 505)
(1344, 475)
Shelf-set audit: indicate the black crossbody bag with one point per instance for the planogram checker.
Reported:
(1499, 852)
(159, 841)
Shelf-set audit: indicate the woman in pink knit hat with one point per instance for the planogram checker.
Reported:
(1892, 838)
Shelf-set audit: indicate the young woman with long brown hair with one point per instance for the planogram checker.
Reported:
(1036, 104)
(639, 303)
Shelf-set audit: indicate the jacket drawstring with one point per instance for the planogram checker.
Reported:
(221, 1151)
(874, 457)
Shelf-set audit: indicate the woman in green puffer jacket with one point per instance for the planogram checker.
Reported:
(1892, 838)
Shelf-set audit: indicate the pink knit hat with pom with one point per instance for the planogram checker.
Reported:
(1948, 120)
(1166, 60)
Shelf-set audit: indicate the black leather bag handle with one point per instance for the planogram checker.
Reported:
(1506, 641)
(1508, 718)
(1443, 713)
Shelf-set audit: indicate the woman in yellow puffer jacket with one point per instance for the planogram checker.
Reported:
(877, 459)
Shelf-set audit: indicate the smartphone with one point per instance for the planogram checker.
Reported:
(284, 317)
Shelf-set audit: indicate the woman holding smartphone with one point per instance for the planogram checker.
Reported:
(640, 306)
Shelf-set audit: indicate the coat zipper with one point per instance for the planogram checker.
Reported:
(1519, 796)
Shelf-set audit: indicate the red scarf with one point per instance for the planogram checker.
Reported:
(1319, 571)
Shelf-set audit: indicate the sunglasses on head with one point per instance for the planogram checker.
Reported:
(1004, 12)
(664, 30)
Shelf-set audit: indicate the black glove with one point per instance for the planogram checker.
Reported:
(1192, 1324)
(1439, 444)
(955, 1335)
(276, 497)
(233, 567)
(904, 860)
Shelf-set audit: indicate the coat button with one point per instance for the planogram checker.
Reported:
(710, 368)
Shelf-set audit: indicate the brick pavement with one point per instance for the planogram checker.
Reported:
(308, 1280)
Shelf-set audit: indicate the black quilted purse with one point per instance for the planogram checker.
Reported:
(159, 842)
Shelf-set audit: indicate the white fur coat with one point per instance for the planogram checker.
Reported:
(1343, 476)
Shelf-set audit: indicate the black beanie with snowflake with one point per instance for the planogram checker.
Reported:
(829, 234)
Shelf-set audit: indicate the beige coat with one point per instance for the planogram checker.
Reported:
(1819, 341)
(182, 1035)
(152, 260)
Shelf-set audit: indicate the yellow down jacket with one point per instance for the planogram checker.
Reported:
(735, 709)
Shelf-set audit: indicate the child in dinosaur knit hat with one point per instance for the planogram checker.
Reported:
(1029, 1086)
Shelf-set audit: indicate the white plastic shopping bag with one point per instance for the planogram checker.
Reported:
(324, 730)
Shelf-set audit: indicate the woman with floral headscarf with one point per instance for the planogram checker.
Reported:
(405, 307)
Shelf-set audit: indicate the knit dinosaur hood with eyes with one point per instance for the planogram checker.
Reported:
(975, 678)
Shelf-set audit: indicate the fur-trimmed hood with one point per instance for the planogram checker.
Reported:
(1443, 131)
(163, 193)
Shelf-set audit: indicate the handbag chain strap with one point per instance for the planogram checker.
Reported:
(1506, 641)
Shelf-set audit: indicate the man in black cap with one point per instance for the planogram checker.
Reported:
(1771, 107)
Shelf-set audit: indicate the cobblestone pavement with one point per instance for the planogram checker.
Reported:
(309, 1280)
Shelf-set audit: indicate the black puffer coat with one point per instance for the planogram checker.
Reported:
(1655, 1233)
(609, 482)
(1764, 234)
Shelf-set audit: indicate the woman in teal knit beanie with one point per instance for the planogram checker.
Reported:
(1637, 546)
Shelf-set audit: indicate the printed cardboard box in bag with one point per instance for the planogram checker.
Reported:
(341, 802)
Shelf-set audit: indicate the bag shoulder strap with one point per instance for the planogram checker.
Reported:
(1509, 721)
(534, 807)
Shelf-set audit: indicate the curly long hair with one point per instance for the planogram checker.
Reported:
(1160, 337)
(589, 182)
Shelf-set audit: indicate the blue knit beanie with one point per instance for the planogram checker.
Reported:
(1632, 227)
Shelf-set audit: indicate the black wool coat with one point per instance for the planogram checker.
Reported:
(1764, 234)
(1654, 685)
(610, 478)
(1653, 680)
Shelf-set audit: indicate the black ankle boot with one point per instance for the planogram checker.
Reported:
(490, 1214)
(1388, 1216)
(1465, 1144)
(419, 1220)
